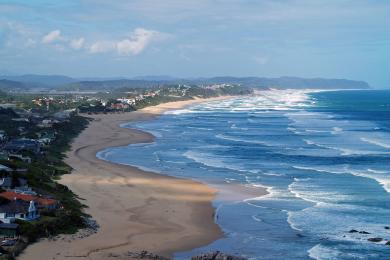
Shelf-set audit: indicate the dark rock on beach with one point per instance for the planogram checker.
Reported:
(145, 255)
(375, 239)
(387, 227)
(353, 231)
(387, 243)
(364, 232)
(217, 255)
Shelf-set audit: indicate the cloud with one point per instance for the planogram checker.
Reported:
(261, 60)
(101, 46)
(139, 39)
(137, 42)
(77, 44)
(52, 36)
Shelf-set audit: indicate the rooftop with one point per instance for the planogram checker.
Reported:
(26, 197)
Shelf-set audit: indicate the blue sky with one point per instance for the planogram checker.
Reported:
(192, 38)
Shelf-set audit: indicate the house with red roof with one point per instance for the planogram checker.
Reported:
(41, 202)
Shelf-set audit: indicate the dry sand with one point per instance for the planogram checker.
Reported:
(136, 210)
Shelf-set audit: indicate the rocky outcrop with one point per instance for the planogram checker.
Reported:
(375, 239)
(145, 255)
(217, 255)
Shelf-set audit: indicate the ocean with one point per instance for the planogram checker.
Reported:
(323, 156)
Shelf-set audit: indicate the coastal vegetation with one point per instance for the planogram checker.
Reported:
(40, 173)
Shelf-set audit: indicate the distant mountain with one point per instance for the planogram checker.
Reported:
(41, 80)
(65, 83)
(286, 82)
(253, 82)
(110, 85)
(10, 85)
(155, 78)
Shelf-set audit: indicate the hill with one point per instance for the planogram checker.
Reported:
(253, 82)
(41, 80)
(64, 83)
(10, 85)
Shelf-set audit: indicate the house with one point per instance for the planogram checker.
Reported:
(46, 137)
(9, 230)
(3, 136)
(119, 106)
(25, 159)
(22, 119)
(8, 105)
(5, 168)
(7, 183)
(63, 115)
(18, 209)
(23, 144)
(3, 155)
(41, 202)
(46, 123)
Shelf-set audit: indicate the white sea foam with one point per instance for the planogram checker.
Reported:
(320, 252)
(211, 161)
(255, 218)
(240, 140)
(291, 224)
(336, 130)
(319, 169)
(382, 177)
(380, 143)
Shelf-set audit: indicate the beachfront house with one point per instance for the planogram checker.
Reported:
(23, 144)
(20, 157)
(40, 202)
(18, 209)
(46, 137)
(5, 168)
(7, 183)
(3, 136)
(9, 230)
(3, 155)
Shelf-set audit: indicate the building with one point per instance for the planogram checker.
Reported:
(46, 137)
(5, 168)
(9, 230)
(25, 159)
(3, 136)
(18, 209)
(7, 183)
(20, 145)
(41, 203)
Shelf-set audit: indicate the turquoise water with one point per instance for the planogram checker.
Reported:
(323, 156)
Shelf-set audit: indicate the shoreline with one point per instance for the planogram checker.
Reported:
(136, 210)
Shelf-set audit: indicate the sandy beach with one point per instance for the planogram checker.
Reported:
(136, 210)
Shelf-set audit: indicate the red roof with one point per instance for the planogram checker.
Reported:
(41, 201)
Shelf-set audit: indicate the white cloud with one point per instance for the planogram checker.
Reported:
(101, 46)
(30, 42)
(139, 39)
(77, 44)
(52, 36)
(261, 60)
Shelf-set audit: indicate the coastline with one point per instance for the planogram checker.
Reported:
(136, 210)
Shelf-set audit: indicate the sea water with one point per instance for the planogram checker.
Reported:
(323, 156)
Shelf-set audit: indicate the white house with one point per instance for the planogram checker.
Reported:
(18, 209)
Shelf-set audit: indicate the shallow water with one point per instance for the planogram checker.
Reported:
(323, 156)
